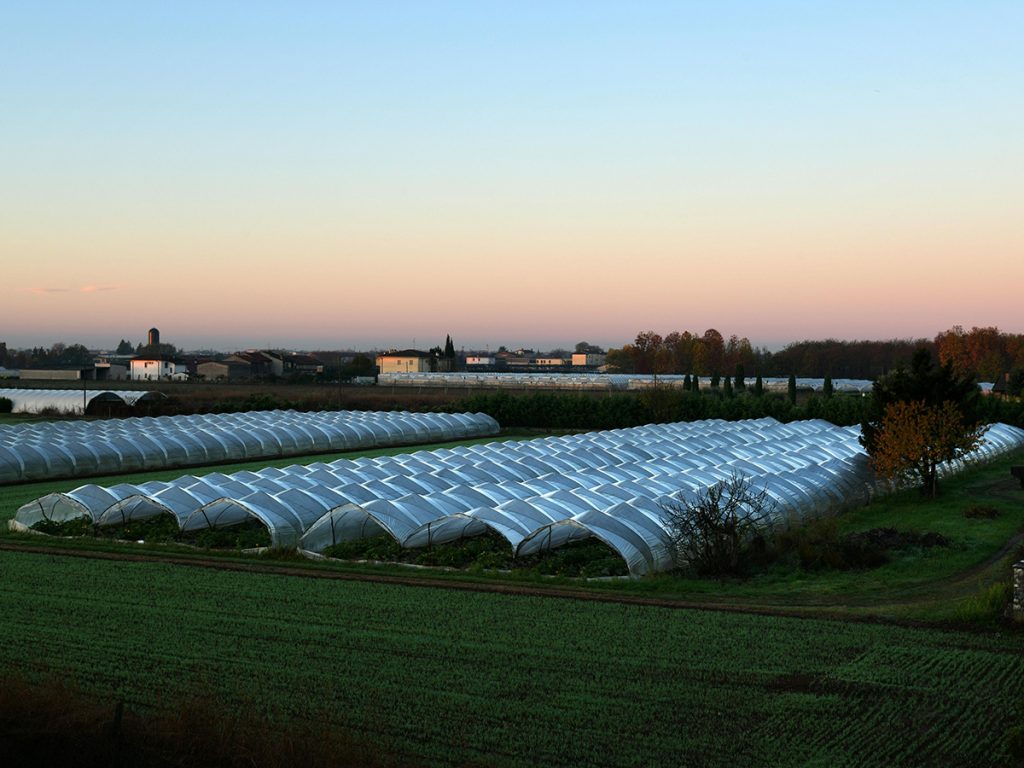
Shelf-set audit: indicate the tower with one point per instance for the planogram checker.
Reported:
(154, 337)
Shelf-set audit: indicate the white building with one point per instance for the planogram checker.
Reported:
(157, 369)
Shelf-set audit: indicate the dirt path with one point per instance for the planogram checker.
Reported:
(502, 588)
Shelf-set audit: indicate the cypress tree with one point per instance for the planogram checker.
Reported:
(758, 386)
(827, 388)
(741, 383)
(791, 388)
(686, 383)
(728, 387)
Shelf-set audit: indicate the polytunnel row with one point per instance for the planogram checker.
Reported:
(601, 381)
(73, 401)
(76, 448)
(537, 494)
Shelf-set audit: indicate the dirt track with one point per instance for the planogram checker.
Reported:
(503, 588)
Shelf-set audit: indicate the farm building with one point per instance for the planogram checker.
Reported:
(588, 359)
(158, 369)
(404, 361)
(224, 370)
(63, 373)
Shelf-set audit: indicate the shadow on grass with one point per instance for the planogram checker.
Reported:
(50, 723)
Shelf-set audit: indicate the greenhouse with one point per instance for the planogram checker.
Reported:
(74, 402)
(596, 381)
(78, 448)
(536, 494)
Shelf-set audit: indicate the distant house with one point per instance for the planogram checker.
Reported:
(479, 360)
(404, 361)
(158, 369)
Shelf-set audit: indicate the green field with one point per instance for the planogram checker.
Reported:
(449, 678)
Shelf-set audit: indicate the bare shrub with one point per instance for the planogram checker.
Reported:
(714, 532)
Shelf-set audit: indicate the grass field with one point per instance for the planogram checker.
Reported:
(446, 678)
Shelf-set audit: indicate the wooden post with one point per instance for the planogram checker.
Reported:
(1018, 591)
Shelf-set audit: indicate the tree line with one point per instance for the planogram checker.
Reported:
(59, 354)
(616, 410)
(987, 353)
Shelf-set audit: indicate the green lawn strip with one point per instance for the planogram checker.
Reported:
(454, 678)
(17, 418)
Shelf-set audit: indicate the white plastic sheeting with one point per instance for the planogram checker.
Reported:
(602, 381)
(77, 448)
(537, 494)
(70, 401)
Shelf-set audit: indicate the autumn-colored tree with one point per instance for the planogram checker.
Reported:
(920, 417)
(915, 438)
(682, 345)
(663, 361)
(713, 351)
(987, 353)
(645, 348)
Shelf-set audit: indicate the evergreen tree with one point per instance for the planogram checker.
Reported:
(758, 386)
(827, 388)
(741, 383)
(728, 387)
(715, 380)
(686, 383)
(791, 388)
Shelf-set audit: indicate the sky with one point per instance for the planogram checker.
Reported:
(380, 174)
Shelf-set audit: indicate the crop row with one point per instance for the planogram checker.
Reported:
(451, 677)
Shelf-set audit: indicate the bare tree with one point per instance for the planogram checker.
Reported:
(712, 533)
